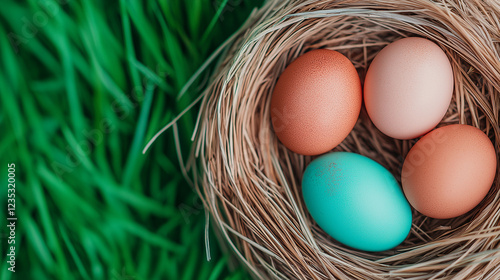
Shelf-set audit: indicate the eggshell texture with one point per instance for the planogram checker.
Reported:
(408, 88)
(316, 102)
(449, 171)
(356, 201)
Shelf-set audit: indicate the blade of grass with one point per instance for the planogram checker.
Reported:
(142, 233)
(76, 114)
(73, 253)
(88, 242)
(195, 17)
(38, 244)
(50, 234)
(131, 165)
(217, 271)
(137, 15)
(214, 21)
(151, 75)
(129, 45)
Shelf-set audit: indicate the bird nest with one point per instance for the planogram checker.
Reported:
(250, 182)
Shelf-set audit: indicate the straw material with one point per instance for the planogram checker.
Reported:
(251, 183)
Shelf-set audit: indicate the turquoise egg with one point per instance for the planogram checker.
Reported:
(356, 201)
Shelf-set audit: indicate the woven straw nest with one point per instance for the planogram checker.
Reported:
(250, 182)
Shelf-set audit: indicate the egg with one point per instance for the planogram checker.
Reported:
(316, 102)
(408, 88)
(356, 201)
(449, 171)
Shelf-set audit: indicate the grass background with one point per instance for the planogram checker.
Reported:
(83, 86)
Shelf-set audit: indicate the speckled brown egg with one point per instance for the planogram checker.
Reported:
(449, 171)
(316, 102)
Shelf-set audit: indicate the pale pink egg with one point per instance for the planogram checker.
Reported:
(408, 88)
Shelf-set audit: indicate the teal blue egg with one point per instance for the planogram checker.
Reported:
(356, 201)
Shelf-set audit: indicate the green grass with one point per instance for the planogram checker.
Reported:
(83, 86)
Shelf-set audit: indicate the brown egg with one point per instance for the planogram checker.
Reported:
(449, 171)
(316, 102)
